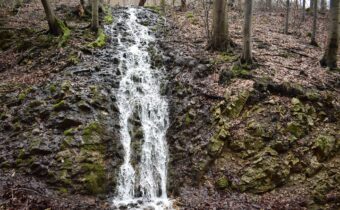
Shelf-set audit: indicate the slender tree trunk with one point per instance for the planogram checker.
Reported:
(315, 16)
(82, 3)
(304, 10)
(219, 39)
(53, 24)
(163, 6)
(183, 5)
(330, 57)
(323, 6)
(247, 33)
(95, 18)
(240, 5)
(141, 3)
(287, 16)
(311, 5)
(269, 5)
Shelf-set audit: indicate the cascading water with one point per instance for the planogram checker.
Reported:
(141, 185)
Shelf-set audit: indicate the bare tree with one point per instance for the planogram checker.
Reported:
(206, 14)
(287, 16)
(219, 38)
(303, 10)
(53, 22)
(183, 5)
(141, 3)
(315, 15)
(323, 6)
(311, 4)
(163, 5)
(247, 33)
(330, 57)
(95, 16)
(269, 5)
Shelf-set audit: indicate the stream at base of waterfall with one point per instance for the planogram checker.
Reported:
(140, 185)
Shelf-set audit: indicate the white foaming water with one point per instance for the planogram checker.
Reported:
(142, 186)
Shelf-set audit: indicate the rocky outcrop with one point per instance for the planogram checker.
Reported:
(259, 140)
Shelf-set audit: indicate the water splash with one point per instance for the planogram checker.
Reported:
(141, 185)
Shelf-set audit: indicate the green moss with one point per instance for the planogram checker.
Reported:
(108, 19)
(35, 143)
(100, 41)
(63, 190)
(73, 59)
(95, 178)
(69, 132)
(296, 129)
(35, 103)
(256, 129)
(92, 133)
(235, 107)
(215, 146)
(156, 9)
(241, 70)
(325, 145)
(190, 15)
(64, 177)
(60, 105)
(222, 183)
(66, 86)
(23, 94)
(92, 127)
(66, 33)
(225, 57)
(53, 88)
(187, 119)
(24, 162)
(21, 153)
(67, 142)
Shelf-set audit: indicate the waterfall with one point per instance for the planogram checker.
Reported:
(141, 185)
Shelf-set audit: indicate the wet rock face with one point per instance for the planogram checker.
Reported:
(50, 134)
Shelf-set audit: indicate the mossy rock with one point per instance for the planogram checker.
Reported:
(95, 178)
(61, 105)
(92, 133)
(266, 173)
(100, 41)
(222, 183)
(215, 146)
(325, 146)
(296, 129)
(235, 108)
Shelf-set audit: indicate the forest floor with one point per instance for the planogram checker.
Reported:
(281, 57)
(29, 55)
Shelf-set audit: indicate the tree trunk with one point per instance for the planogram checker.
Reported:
(311, 4)
(163, 6)
(183, 5)
(219, 39)
(141, 3)
(240, 5)
(323, 6)
(330, 57)
(287, 17)
(315, 15)
(247, 33)
(304, 10)
(53, 24)
(95, 19)
(269, 5)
